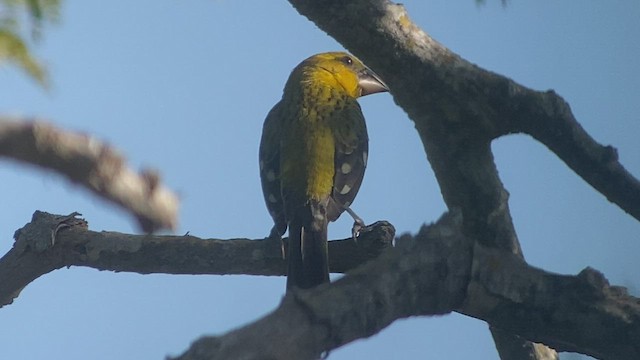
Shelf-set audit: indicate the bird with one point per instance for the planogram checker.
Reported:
(312, 157)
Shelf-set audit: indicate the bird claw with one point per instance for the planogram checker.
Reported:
(276, 237)
(355, 230)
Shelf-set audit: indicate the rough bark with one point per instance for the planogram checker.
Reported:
(440, 271)
(458, 109)
(51, 242)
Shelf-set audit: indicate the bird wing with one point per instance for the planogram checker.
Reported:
(352, 147)
(269, 157)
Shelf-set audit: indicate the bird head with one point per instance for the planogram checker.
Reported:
(342, 71)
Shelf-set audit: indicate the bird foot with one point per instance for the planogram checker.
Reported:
(277, 238)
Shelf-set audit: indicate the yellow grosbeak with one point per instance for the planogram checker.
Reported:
(313, 154)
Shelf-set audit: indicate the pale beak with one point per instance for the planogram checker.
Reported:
(370, 83)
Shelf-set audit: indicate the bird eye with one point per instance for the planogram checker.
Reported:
(347, 60)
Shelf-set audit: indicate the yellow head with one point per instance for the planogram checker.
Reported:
(339, 71)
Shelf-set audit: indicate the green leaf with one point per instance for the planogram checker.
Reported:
(18, 20)
(14, 50)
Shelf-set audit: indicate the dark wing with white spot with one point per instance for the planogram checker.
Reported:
(270, 167)
(352, 147)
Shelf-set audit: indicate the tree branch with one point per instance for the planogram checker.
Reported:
(401, 282)
(50, 242)
(555, 126)
(438, 272)
(580, 313)
(94, 165)
(458, 109)
(448, 99)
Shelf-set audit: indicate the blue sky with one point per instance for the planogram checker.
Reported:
(184, 87)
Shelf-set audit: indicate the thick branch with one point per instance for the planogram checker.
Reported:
(453, 106)
(554, 125)
(580, 313)
(431, 275)
(458, 109)
(34, 252)
(400, 283)
(94, 165)
(438, 272)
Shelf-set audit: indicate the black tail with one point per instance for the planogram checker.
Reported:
(308, 257)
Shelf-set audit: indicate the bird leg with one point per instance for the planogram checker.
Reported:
(358, 223)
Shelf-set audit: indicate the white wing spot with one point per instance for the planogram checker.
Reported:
(365, 157)
(261, 165)
(272, 198)
(318, 216)
(345, 168)
(271, 175)
(345, 189)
